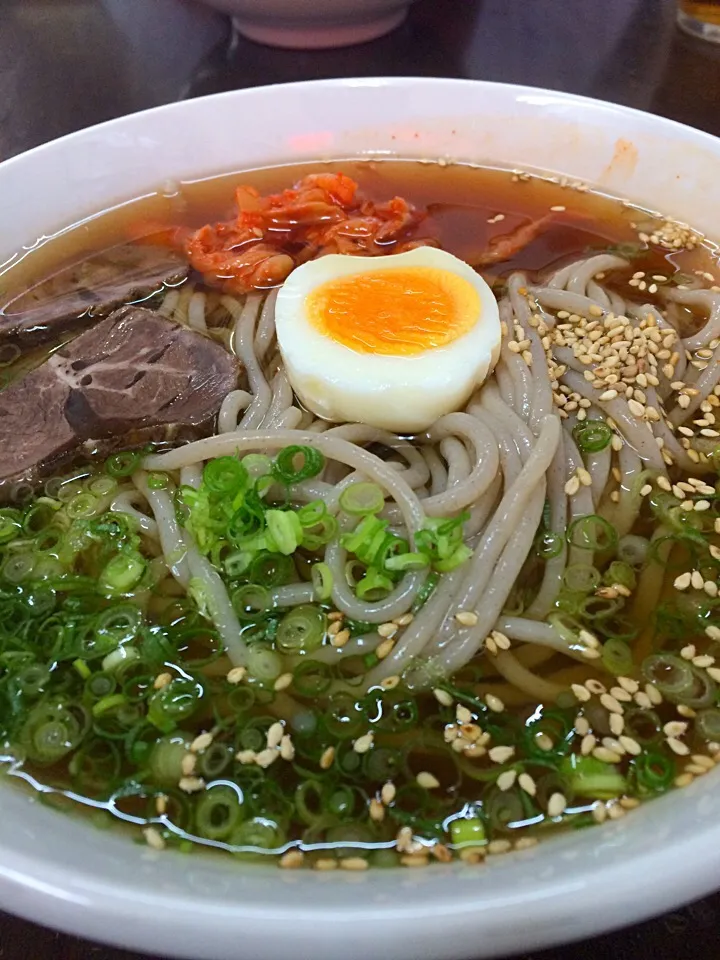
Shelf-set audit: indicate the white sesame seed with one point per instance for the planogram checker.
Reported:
(245, 756)
(599, 812)
(162, 680)
(283, 682)
(387, 794)
(630, 745)
(557, 804)
(187, 764)
(387, 630)
(617, 724)
(653, 694)
(682, 582)
(610, 703)
(606, 755)
(384, 649)
(291, 860)
(275, 734)
(501, 754)
(703, 661)
(364, 743)
(340, 638)
(427, 780)
(494, 703)
(462, 714)
(572, 486)
(266, 758)
(353, 863)
(498, 847)
(466, 618)
(327, 758)
(703, 761)
(154, 838)
(582, 725)
(526, 783)
(389, 683)
(678, 747)
(581, 693)
(236, 675)
(191, 784)
(683, 780)
(506, 779)
(287, 748)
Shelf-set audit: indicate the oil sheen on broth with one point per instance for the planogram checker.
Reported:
(345, 646)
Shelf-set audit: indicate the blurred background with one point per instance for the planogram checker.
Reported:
(66, 64)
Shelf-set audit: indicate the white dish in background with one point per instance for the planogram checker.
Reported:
(58, 870)
(313, 24)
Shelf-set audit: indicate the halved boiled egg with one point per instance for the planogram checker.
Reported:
(394, 341)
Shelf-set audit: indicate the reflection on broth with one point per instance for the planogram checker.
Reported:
(483, 611)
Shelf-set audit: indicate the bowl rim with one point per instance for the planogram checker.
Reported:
(676, 874)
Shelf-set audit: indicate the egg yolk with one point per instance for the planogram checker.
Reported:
(397, 312)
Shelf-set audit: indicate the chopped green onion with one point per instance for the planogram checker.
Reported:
(322, 581)
(18, 567)
(174, 703)
(633, 549)
(592, 436)
(467, 832)
(408, 561)
(108, 703)
(257, 465)
(592, 532)
(102, 486)
(10, 524)
(360, 499)
(549, 545)
(284, 531)
(225, 476)
(123, 573)
(654, 772)
(82, 668)
(302, 630)
(218, 811)
(251, 601)
(312, 678)
(123, 464)
(285, 470)
(165, 760)
(373, 586)
(312, 513)
(672, 675)
(82, 505)
(581, 578)
(707, 725)
(590, 777)
(620, 572)
(264, 665)
(157, 481)
(617, 657)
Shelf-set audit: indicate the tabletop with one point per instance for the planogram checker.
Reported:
(66, 64)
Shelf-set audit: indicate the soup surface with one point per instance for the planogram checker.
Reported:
(317, 543)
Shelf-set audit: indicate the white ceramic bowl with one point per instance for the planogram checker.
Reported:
(61, 872)
(312, 24)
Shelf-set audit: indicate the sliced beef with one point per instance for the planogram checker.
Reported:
(78, 295)
(135, 374)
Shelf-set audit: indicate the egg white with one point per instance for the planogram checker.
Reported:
(405, 394)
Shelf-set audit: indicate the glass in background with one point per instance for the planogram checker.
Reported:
(701, 18)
